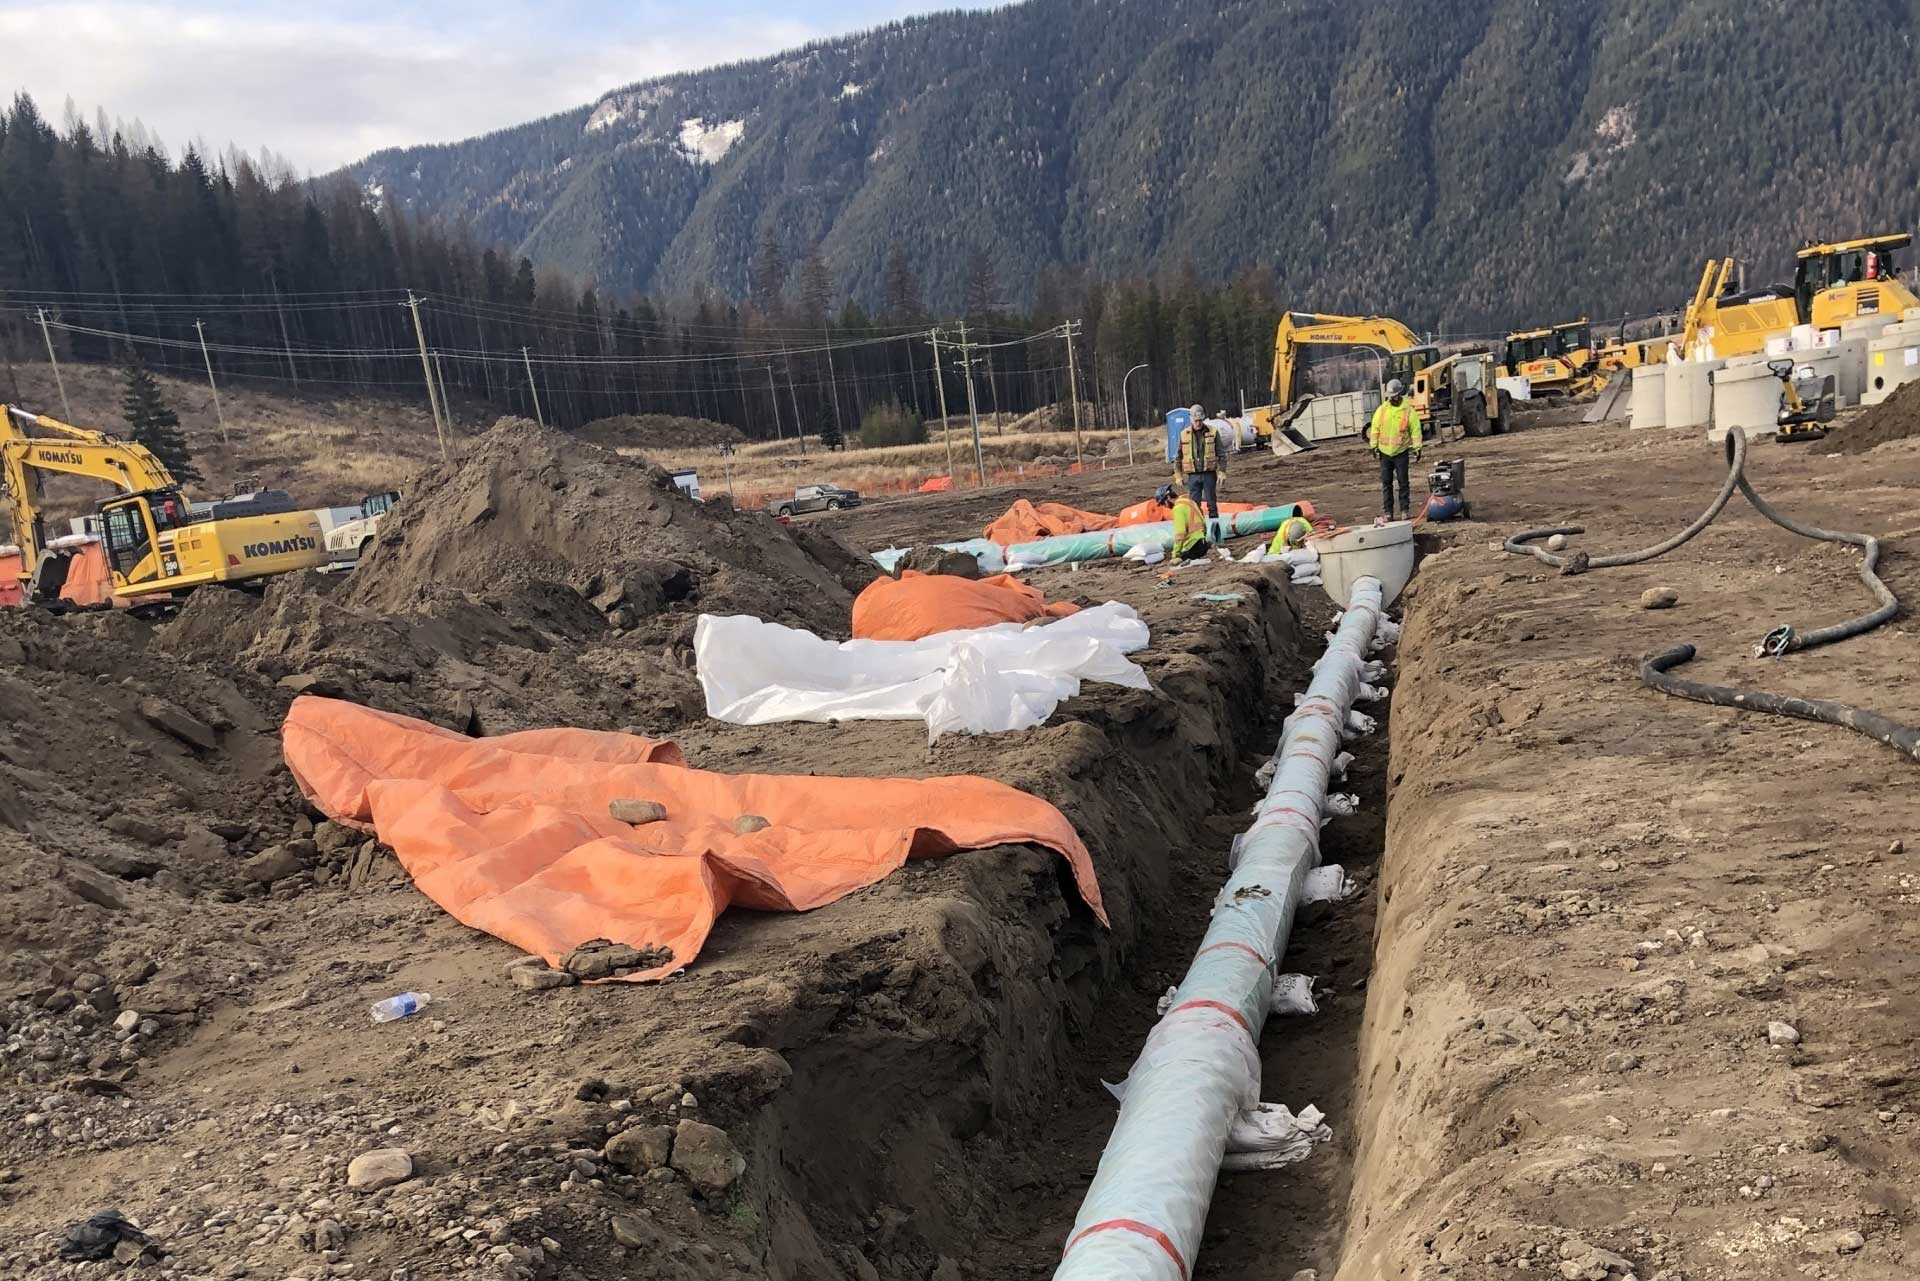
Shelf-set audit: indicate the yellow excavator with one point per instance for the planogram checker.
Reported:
(1832, 283)
(156, 544)
(1449, 391)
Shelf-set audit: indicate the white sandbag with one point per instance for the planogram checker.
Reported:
(1328, 884)
(1292, 998)
(1269, 1136)
(984, 681)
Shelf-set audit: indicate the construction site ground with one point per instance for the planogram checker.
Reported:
(1543, 1044)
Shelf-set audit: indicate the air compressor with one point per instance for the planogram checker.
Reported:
(1447, 491)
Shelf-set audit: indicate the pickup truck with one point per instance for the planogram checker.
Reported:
(814, 498)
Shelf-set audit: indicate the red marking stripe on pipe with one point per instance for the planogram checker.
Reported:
(1227, 1010)
(1235, 947)
(1152, 1234)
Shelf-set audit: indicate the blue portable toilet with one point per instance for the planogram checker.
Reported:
(1177, 421)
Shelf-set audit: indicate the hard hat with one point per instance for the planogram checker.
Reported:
(1164, 495)
(1196, 411)
(1396, 388)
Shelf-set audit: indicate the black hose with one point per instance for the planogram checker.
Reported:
(1904, 739)
(1580, 562)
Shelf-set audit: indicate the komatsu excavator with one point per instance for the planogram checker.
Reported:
(156, 545)
(1453, 391)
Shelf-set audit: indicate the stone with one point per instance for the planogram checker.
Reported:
(143, 830)
(380, 1168)
(603, 958)
(1897, 847)
(631, 1232)
(128, 1021)
(328, 1235)
(747, 824)
(540, 978)
(1848, 1242)
(1779, 1033)
(1620, 1061)
(275, 863)
(92, 887)
(706, 1156)
(626, 810)
(178, 722)
(121, 866)
(644, 1147)
(1557, 543)
(335, 838)
(309, 683)
(1659, 598)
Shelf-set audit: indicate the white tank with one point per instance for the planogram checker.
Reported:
(1689, 392)
(1649, 407)
(1385, 552)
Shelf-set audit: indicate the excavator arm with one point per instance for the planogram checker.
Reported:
(72, 451)
(1302, 328)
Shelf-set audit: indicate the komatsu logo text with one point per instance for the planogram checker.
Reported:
(69, 457)
(280, 547)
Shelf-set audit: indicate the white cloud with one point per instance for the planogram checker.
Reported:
(324, 90)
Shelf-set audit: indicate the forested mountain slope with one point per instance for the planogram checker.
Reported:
(1463, 162)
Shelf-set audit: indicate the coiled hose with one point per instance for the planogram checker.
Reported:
(1655, 671)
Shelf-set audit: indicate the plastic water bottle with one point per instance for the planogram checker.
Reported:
(399, 1007)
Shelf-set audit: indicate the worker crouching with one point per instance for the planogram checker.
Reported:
(1189, 525)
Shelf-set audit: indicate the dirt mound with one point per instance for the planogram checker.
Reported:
(1896, 418)
(933, 559)
(658, 431)
(527, 511)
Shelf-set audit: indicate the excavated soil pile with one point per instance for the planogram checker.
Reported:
(658, 431)
(526, 510)
(536, 581)
(1896, 418)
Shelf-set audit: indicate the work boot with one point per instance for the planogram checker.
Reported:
(1384, 518)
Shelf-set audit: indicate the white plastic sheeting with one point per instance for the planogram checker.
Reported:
(1199, 1072)
(984, 681)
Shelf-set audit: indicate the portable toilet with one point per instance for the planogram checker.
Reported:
(1177, 421)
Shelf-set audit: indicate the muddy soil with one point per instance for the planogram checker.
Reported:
(187, 1031)
(1544, 1038)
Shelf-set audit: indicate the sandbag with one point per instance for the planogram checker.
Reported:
(916, 605)
(513, 836)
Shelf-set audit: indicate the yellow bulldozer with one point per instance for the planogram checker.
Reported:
(1558, 361)
(1832, 283)
(156, 545)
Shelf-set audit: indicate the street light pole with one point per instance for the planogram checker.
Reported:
(1126, 412)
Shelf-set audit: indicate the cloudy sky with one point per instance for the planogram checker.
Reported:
(326, 83)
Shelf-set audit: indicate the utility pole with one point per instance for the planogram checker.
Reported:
(1073, 390)
(58, 381)
(940, 381)
(527, 360)
(287, 341)
(793, 398)
(440, 376)
(773, 394)
(218, 412)
(1126, 409)
(426, 371)
(973, 406)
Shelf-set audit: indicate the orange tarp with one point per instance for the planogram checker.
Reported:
(511, 835)
(1151, 512)
(936, 485)
(1025, 522)
(916, 605)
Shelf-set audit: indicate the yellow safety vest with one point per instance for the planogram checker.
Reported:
(1289, 526)
(1394, 431)
(1199, 451)
(1189, 524)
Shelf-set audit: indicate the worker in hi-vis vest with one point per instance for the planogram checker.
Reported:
(1291, 536)
(1200, 462)
(1393, 436)
(1189, 525)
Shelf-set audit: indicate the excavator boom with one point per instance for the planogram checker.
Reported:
(1298, 328)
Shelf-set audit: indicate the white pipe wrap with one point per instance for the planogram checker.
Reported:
(1200, 1068)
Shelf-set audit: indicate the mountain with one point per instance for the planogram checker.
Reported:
(1459, 161)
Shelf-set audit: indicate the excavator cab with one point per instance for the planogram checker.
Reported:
(131, 526)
